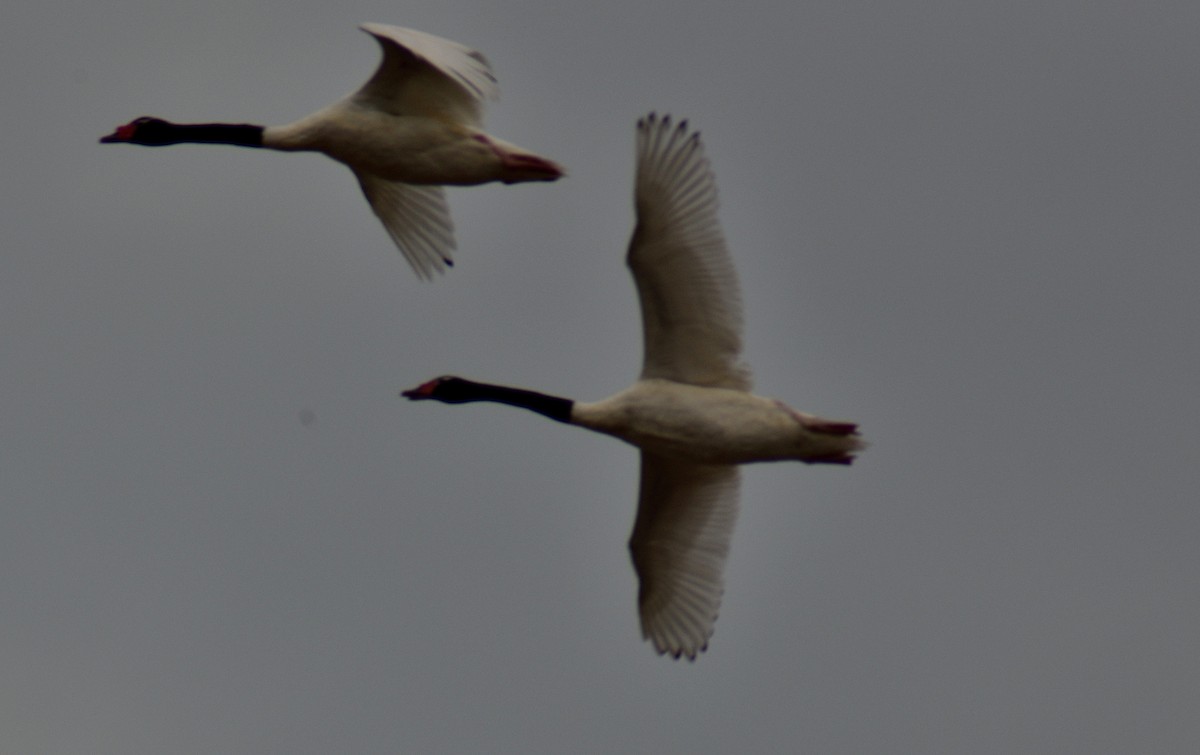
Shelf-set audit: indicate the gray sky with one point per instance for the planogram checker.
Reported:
(971, 227)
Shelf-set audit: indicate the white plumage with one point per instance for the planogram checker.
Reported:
(690, 412)
(415, 126)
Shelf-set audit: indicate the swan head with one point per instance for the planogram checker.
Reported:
(448, 389)
(151, 132)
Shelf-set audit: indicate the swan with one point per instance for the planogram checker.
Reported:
(690, 412)
(413, 127)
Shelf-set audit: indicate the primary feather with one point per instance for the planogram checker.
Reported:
(686, 282)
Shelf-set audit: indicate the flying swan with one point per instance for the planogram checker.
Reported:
(690, 412)
(413, 127)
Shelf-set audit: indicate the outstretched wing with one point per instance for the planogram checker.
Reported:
(691, 308)
(421, 74)
(685, 518)
(417, 219)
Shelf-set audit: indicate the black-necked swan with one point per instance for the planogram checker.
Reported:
(690, 411)
(413, 127)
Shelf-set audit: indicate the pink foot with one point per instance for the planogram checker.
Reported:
(522, 166)
(830, 427)
(818, 425)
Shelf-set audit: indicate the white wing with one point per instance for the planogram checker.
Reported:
(421, 74)
(417, 219)
(685, 518)
(691, 308)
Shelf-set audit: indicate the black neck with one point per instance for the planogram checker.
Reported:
(239, 134)
(554, 407)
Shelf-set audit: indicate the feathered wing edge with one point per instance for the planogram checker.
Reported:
(418, 220)
(686, 280)
(680, 542)
(423, 73)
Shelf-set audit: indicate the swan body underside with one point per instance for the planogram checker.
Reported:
(691, 412)
(717, 425)
(414, 149)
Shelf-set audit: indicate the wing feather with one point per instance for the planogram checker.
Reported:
(687, 285)
(417, 218)
(686, 514)
(422, 74)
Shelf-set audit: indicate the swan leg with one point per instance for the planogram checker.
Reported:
(522, 167)
(816, 424)
(517, 167)
(840, 457)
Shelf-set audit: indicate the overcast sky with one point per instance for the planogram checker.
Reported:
(970, 227)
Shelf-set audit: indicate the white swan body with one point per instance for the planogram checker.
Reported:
(690, 412)
(713, 425)
(412, 149)
(412, 128)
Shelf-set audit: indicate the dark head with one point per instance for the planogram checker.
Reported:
(455, 390)
(151, 132)
(447, 389)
